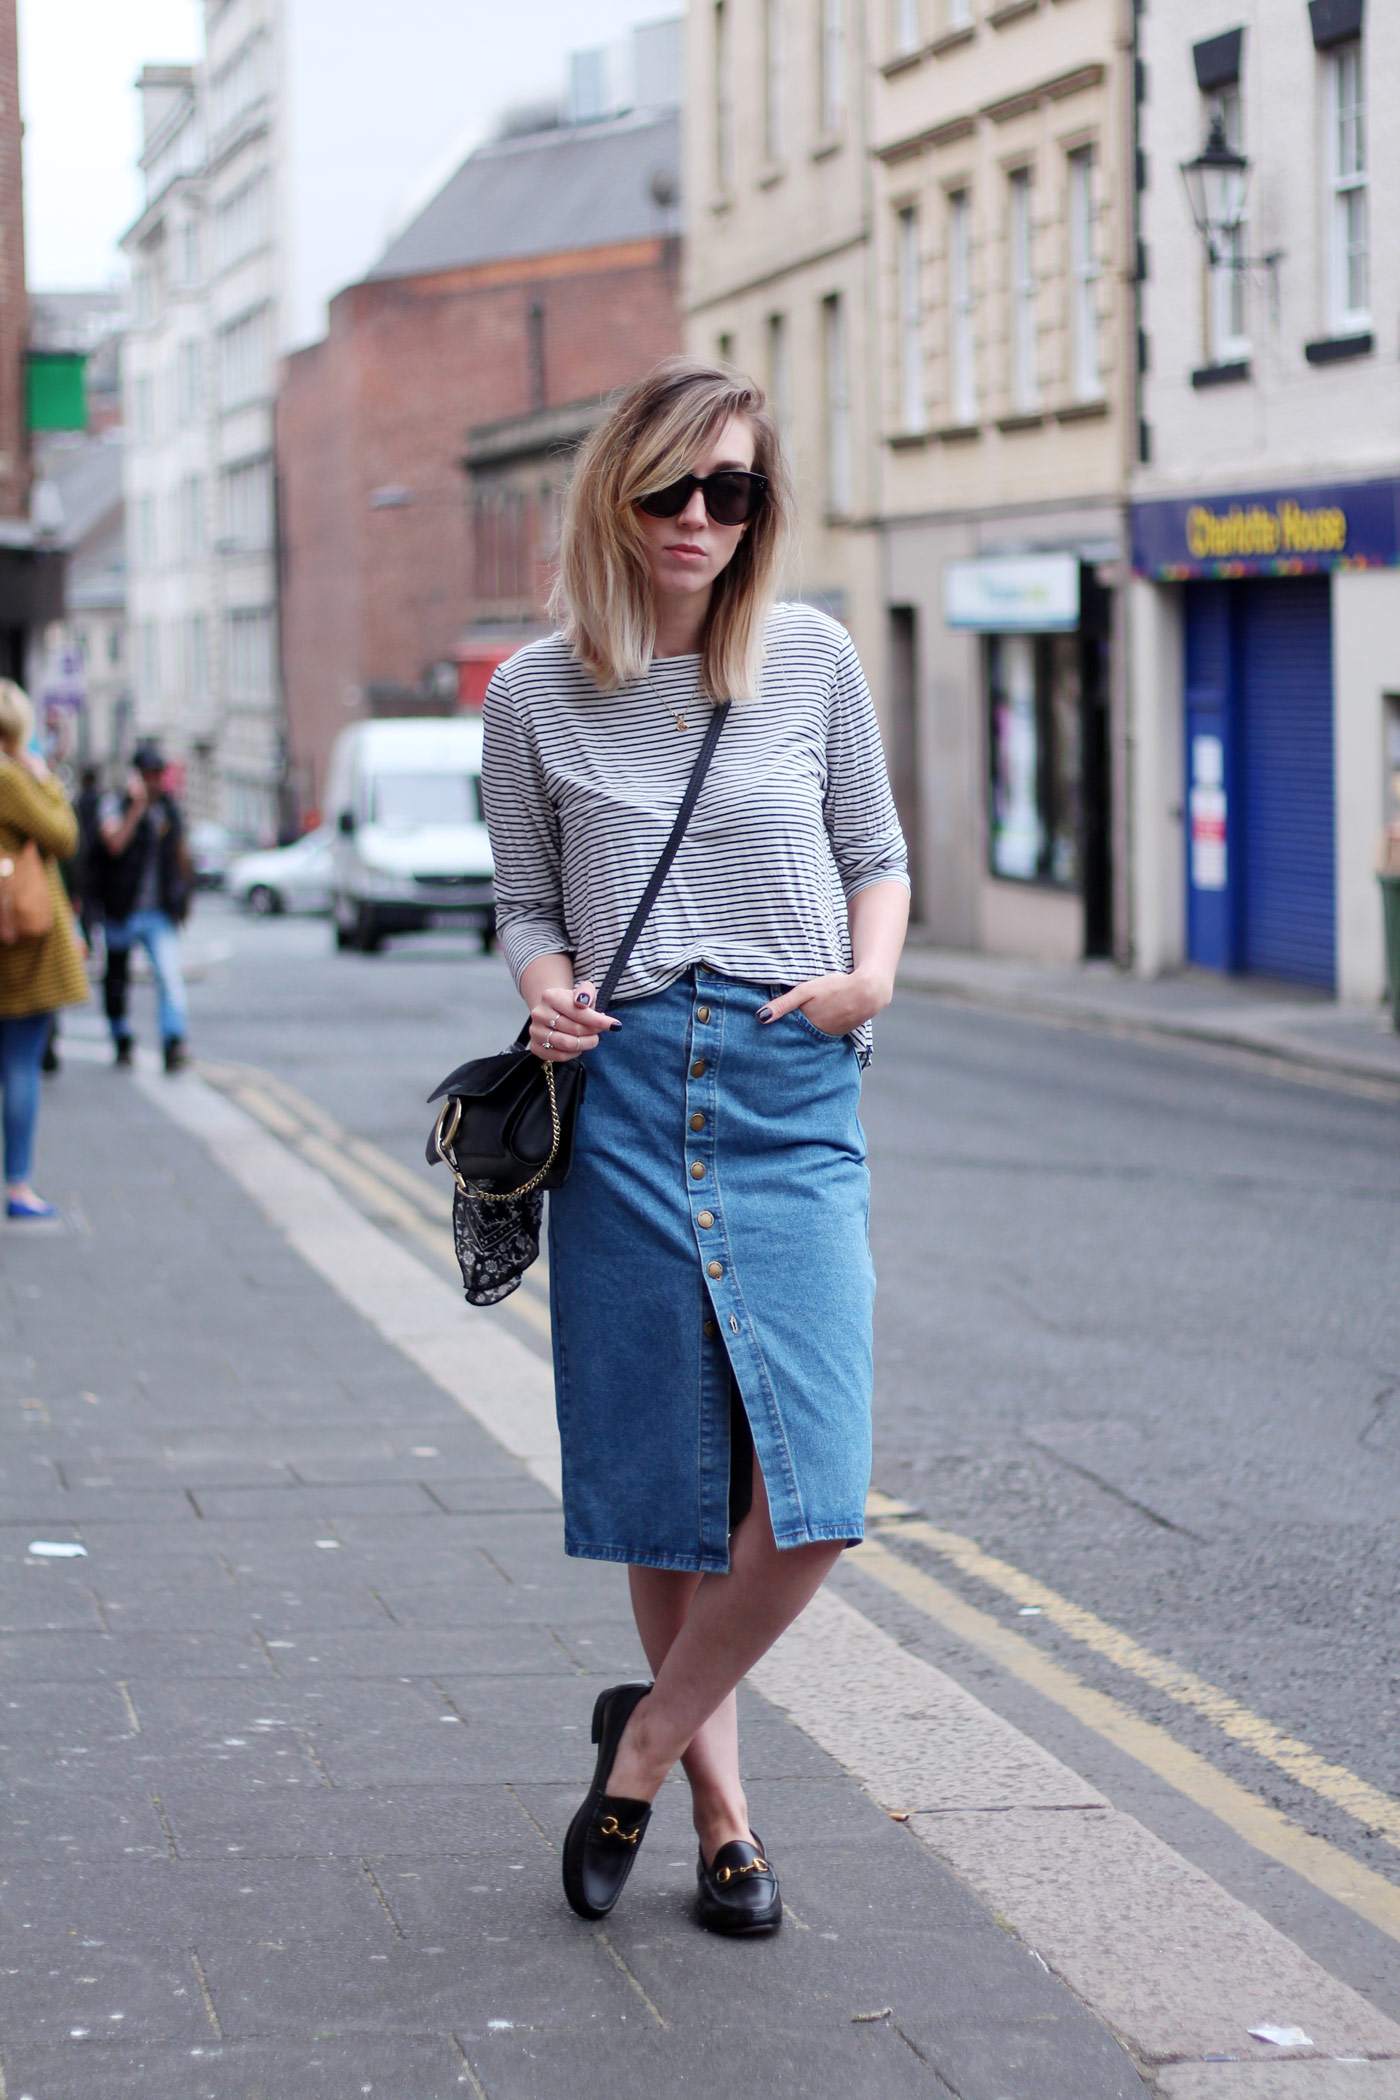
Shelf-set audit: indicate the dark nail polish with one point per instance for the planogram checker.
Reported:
(583, 998)
(765, 1013)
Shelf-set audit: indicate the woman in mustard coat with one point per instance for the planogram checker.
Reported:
(40, 974)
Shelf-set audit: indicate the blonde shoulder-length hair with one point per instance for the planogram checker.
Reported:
(652, 435)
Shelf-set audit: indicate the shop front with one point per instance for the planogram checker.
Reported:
(1286, 658)
(1042, 626)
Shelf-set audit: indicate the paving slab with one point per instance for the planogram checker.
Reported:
(332, 2067)
(1354, 2079)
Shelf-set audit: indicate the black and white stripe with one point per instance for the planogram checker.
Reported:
(581, 787)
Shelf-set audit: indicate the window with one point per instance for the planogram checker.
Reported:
(238, 85)
(962, 346)
(143, 405)
(245, 372)
(911, 321)
(114, 644)
(1228, 336)
(189, 253)
(1021, 257)
(247, 504)
(831, 68)
(242, 223)
(189, 384)
(724, 347)
(1085, 377)
(147, 547)
(780, 376)
(907, 27)
(1348, 242)
(959, 14)
(1033, 752)
(248, 650)
(192, 516)
(143, 295)
(724, 101)
(838, 405)
(196, 657)
(150, 665)
(772, 80)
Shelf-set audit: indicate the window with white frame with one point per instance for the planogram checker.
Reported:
(192, 516)
(247, 503)
(196, 657)
(245, 364)
(1086, 379)
(143, 405)
(143, 295)
(189, 383)
(189, 253)
(248, 652)
(147, 545)
(962, 317)
(836, 376)
(1025, 385)
(150, 663)
(242, 222)
(907, 27)
(723, 111)
(1348, 235)
(911, 319)
(236, 86)
(958, 14)
(780, 375)
(831, 68)
(773, 80)
(1227, 317)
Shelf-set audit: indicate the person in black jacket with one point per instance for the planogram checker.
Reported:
(143, 887)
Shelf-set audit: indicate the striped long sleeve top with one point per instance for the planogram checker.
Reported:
(580, 790)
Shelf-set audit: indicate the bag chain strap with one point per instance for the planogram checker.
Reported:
(445, 1130)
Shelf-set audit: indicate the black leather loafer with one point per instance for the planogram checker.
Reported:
(605, 1835)
(738, 1892)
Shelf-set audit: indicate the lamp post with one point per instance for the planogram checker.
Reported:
(1217, 183)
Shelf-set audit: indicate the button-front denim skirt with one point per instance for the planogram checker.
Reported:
(710, 1253)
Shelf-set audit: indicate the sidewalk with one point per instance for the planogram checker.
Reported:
(291, 1744)
(1310, 1031)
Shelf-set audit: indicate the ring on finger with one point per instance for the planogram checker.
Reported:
(549, 1040)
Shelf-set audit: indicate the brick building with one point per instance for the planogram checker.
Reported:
(30, 573)
(543, 275)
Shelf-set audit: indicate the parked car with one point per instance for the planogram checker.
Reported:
(288, 878)
(211, 848)
(411, 848)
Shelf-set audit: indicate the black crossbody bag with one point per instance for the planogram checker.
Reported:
(506, 1125)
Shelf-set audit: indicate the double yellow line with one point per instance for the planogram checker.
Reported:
(388, 1192)
(394, 1196)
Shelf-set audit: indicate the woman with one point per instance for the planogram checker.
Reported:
(710, 1276)
(40, 974)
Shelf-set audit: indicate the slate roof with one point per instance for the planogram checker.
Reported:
(582, 186)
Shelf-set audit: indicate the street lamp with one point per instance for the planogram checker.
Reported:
(1216, 181)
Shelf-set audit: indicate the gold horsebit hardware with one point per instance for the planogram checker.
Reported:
(754, 1866)
(611, 1828)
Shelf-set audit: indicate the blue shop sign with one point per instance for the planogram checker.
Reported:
(1269, 532)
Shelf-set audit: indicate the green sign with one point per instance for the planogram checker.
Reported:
(56, 389)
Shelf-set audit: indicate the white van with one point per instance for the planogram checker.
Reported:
(404, 801)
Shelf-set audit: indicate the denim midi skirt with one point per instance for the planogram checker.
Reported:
(711, 1282)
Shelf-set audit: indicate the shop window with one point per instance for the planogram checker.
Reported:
(1033, 744)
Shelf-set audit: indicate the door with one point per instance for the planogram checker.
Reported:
(1210, 902)
(1285, 761)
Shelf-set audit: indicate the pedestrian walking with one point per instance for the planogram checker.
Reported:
(710, 1271)
(144, 886)
(41, 967)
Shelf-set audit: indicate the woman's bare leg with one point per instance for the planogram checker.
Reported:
(733, 1619)
(661, 1601)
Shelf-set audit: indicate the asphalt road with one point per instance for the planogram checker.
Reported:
(1138, 1327)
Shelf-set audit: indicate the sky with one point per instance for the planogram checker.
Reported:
(459, 62)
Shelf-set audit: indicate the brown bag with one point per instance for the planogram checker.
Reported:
(26, 901)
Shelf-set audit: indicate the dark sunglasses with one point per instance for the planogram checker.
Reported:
(732, 496)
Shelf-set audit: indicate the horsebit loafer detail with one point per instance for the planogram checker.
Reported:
(606, 1833)
(738, 1892)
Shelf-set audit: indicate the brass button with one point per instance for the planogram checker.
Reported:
(697, 1122)
(705, 1219)
(714, 1268)
(697, 1170)
(702, 1013)
(711, 1329)
(698, 1068)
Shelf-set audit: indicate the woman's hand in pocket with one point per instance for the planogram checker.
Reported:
(835, 1003)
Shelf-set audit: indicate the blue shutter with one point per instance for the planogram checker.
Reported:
(1283, 774)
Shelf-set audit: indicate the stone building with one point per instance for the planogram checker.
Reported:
(1266, 511)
